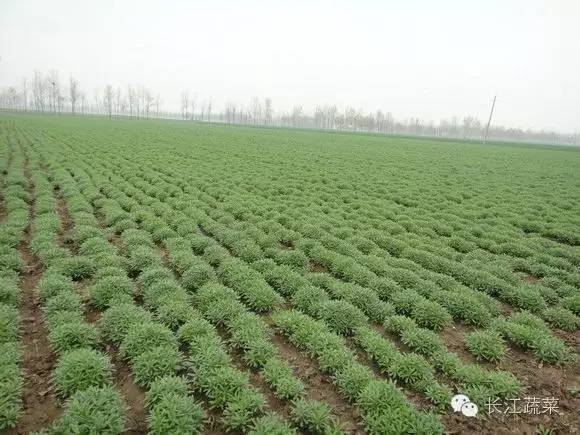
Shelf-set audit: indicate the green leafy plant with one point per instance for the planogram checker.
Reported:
(561, 318)
(175, 414)
(77, 267)
(72, 335)
(142, 337)
(164, 386)
(313, 416)
(63, 302)
(486, 345)
(155, 363)
(271, 424)
(341, 316)
(94, 410)
(118, 320)
(278, 374)
(9, 323)
(79, 369)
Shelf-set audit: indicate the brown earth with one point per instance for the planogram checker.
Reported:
(318, 386)
(286, 246)
(316, 267)
(541, 381)
(272, 402)
(133, 396)
(66, 223)
(531, 279)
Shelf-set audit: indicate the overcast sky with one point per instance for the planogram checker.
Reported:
(432, 59)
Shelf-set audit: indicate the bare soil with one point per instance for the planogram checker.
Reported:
(272, 402)
(133, 396)
(285, 246)
(541, 381)
(318, 385)
(3, 212)
(66, 223)
(531, 279)
(316, 267)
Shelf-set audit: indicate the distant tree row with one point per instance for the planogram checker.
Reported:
(45, 92)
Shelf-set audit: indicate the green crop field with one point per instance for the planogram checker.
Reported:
(172, 278)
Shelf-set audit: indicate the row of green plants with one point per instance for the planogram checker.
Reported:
(335, 309)
(434, 223)
(247, 249)
(467, 305)
(505, 245)
(410, 300)
(110, 286)
(344, 318)
(244, 407)
(383, 405)
(14, 196)
(147, 343)
(172, 305)
(83, 375)
(220, 310)
(173, 186)
(464, 304)
(252, 337)
(530, 332)
(248, 332)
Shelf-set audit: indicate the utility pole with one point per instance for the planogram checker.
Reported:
(489, 120)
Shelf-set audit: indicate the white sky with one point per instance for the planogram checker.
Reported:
(431, 59)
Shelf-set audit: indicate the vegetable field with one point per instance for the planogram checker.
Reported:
(173, 278)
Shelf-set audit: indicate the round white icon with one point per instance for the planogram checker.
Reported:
(460, 402)
(469, 409)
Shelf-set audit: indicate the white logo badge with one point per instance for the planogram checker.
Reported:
(460, 402)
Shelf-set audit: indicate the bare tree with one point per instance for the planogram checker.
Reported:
(108, 100)
(296, 116)
(193, 108)
(268, 111)
(97, 98)
(137, 99)
(39, 91)
(148, 101)
(131, 99)
(331, 112)
(73, 93)
(54, 89)
(9, 97)
(256, 111)
(118, 101)
(157, 103)
(209, 111)
(184, 104)
(228, 113)
(25, 93)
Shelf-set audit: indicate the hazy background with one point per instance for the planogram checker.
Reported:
(413, 58)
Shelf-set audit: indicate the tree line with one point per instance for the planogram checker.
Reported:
(46, 92)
